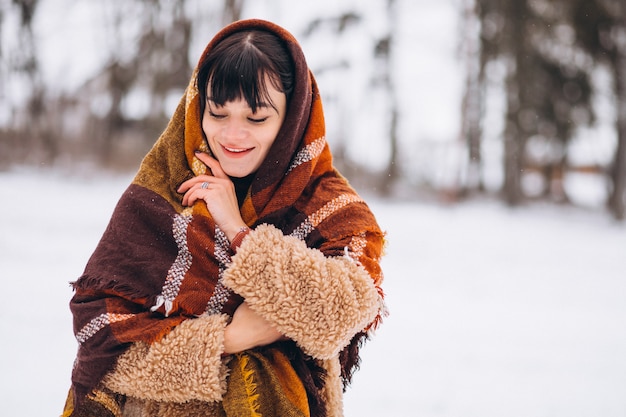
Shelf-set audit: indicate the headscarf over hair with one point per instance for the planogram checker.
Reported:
(160, 263)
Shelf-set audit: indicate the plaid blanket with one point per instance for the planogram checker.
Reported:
(160, 263)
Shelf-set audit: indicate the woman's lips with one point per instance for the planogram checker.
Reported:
(236, 151)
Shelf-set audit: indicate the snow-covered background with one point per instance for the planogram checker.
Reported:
(494, 312)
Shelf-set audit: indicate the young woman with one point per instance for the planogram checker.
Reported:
(240, 272)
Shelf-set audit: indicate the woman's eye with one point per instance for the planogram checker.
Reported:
(257, 120)
(216, 116)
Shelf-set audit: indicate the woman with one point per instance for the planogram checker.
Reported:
(240, 272)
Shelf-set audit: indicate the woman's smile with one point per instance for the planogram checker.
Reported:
(240, 138)
(235, 150)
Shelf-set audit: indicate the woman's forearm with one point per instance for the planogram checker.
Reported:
(319, 302)
(248, 330)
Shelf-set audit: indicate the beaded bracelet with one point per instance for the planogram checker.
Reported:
(236, 242)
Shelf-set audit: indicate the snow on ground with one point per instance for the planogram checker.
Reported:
(494, 312)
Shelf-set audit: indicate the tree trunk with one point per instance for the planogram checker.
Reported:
(617, 199)
(513, 149)
(393, 170)
(232, 11)
(514, 135)
(472, 110)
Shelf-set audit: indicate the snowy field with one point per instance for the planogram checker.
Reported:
(494, 312)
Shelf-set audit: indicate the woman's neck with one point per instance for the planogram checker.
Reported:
(242, 185)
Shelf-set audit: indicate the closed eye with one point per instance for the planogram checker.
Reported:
(259, 120)
(216, 116)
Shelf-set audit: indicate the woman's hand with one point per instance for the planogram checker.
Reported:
(248, 330)
(218, 194)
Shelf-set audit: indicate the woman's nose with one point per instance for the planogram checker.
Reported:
(233, 129)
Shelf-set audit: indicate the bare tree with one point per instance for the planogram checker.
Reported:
(473, 103)
(152, 67)
(384, 51)
(617, 201)
(546, 90)
(31, 124)
(600, 27)
(232, 11)
(381, 77)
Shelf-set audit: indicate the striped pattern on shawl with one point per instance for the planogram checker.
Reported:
(159, 263)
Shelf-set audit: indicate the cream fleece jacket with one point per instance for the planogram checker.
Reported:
(319, 302)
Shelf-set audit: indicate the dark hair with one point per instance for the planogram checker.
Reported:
(238, 66)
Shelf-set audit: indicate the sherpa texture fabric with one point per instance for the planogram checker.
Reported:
(161, 284)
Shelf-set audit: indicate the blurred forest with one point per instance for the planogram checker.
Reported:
(546, 60)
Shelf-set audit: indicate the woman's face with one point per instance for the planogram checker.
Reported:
(239, 138)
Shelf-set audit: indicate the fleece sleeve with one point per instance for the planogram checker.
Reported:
(185, 365)
(319, 302)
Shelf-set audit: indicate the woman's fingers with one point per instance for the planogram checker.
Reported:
(218, 192)
(191, 196)
(214, 166)
(188, 187)
(212, 163)
(201, 181)
(185, 186)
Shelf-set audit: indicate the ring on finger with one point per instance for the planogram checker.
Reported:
(205, 185)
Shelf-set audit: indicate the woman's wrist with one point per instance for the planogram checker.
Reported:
(235, 242)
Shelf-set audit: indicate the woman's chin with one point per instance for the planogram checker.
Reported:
(237, 173)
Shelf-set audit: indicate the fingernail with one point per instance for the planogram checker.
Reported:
(197, 151)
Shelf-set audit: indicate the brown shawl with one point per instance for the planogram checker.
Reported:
(159, 263)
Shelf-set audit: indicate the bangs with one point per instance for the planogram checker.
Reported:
(244, 76)
(244, 66)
